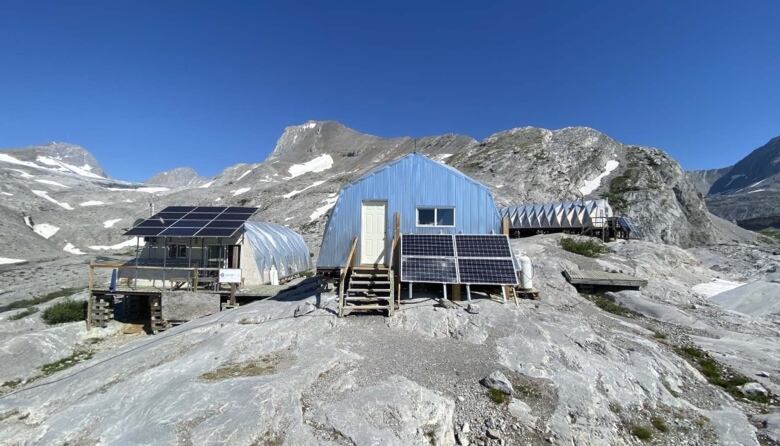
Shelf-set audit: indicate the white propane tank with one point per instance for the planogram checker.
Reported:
(274, 275)
(526, 271)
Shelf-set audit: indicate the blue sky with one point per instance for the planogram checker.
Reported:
(148, 86)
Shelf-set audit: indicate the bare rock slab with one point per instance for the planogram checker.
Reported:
(398, 412)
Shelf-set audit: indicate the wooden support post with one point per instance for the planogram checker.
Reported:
(505, 231)
(165, 259)
(91, 297)
(456, 292)
(137, 254)
(233, 294)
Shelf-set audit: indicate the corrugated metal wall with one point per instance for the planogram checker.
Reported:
(405, 184)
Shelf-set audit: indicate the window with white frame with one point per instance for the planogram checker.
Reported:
(436, 216)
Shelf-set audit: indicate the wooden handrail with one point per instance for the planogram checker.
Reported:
(126, 266)
(344, 273)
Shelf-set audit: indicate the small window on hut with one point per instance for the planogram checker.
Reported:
(435, 217)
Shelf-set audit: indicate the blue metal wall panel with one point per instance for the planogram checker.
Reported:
(408, 183)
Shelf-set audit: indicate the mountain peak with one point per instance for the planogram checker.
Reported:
(178, 177)
(63, 152)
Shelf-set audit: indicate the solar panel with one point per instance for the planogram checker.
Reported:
(216, 232)
(429, 270)
(193, 221)
(178, 209)
(494, 246)
(487, 271)
(143, 232)
(427, 245)
(468, 259)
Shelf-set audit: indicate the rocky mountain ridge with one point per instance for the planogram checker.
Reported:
(747, 193)
(298, 183)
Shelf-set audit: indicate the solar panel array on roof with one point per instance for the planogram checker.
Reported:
(468, 259)
(194, 221)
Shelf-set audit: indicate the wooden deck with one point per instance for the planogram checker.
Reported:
(603, 278)
(255, 291)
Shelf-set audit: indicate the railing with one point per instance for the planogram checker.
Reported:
(344, 274)
(191, 277)
(394, 263)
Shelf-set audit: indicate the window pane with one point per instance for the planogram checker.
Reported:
(425, 217)
(182, 251)
(445, 217)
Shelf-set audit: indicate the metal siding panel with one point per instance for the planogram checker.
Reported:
(406, 184)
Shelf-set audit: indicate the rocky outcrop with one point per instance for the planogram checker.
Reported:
(531, 165)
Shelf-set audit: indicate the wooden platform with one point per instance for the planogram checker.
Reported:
(603, 279)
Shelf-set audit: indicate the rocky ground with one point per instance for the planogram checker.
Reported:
(581, 371)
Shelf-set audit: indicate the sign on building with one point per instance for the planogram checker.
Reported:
(230, 275)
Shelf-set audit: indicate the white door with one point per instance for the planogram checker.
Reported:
(372, 233)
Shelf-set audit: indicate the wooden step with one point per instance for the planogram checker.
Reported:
(369, 290)
(370, 276)
(365, 298)
(384, 283)
(366, 307)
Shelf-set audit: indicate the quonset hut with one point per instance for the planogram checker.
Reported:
(378, 213)
(429, 197)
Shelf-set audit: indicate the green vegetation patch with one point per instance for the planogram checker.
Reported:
(66, 311)
(611, 307)
(23, 314)
(641, 432)
(717, 374)
(588, 248)
(66, 363)
(772, 233)
(497, 396)
(26, 303)
(659, 424)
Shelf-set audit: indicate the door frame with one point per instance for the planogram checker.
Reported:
(360, 240)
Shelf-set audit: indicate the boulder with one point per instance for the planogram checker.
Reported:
(498, 381)
(753, 389)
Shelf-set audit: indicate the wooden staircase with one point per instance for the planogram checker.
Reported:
(368, 288)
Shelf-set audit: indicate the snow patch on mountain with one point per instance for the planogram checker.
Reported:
(207, 185)
(91, 203)
(65, 167)
(591, 185)
(240, 191)
(244, 174)
(69, 248)
(149, 190)
(7, 261)
(51, 183)
(121, 245)
(45, 195)
(110, 223)
(320, 211)
(21, 172)
(45, 230)
(296, 192)
(715, 287)
(318, 164)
